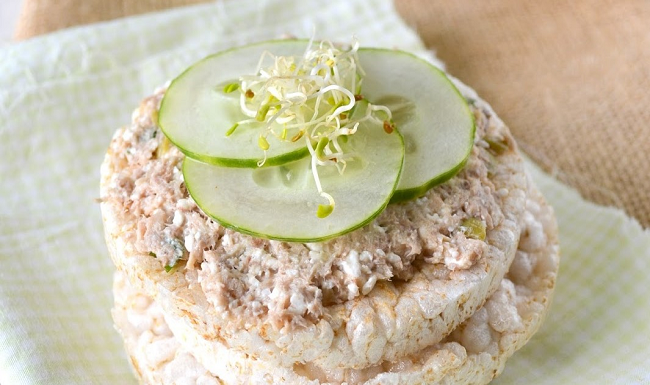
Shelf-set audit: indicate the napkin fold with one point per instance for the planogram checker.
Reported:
(63, 95)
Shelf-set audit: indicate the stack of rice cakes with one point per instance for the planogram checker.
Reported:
(419, 298)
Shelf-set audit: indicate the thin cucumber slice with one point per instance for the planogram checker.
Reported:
(196, 114)
(432, 116)
(281, 202)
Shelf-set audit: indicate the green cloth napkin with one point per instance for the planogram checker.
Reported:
(63, 95)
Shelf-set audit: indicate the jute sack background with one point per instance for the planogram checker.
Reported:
(570, 78)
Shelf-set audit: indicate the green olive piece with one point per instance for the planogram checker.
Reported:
(474, 228)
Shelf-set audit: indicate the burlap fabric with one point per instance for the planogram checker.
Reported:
(570, 78)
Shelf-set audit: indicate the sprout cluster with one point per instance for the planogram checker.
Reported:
(315, 98)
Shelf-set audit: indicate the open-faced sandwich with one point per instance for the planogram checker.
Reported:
(299, 212)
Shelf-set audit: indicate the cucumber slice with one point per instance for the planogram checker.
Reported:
(432, 116)
(435, 138)
(195, 113)
(281, 202)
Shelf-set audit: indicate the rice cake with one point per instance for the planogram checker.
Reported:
(475, 352)
(386, 290)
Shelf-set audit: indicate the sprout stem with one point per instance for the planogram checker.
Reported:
(312, 96)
